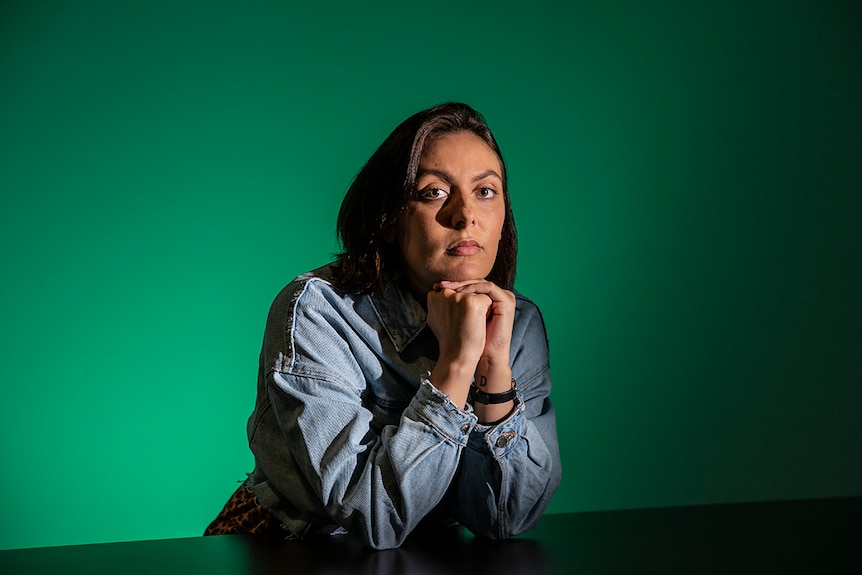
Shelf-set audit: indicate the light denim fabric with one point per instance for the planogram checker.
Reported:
(348, 435)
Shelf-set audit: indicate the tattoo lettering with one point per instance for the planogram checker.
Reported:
(483, 381)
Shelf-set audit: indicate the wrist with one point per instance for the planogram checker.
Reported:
(493, 363)
(493, 377)
(485, 398)
(493, 413)
(453, 379)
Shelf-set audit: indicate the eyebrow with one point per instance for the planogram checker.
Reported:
(445, 176)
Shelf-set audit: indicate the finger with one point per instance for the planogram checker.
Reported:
(492, 290)
(455, 285)
(467, 285)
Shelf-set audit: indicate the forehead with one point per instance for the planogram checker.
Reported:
(460, 151)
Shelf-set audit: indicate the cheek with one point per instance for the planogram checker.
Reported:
(413, 237)
(501, 220)
(420, 229)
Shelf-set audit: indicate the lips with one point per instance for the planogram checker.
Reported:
(464, 248)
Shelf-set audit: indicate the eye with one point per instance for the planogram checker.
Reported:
(432, 193)
(486, 193)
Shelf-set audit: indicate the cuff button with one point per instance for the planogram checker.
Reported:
(505, 439)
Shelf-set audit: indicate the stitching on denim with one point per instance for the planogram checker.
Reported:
(291, 321)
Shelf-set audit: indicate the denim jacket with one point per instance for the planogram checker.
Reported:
(349, 435)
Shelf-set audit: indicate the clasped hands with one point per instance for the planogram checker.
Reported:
(472, 321)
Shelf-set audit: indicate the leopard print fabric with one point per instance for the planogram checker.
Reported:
(242, 514)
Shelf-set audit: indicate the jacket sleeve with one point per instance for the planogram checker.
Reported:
(376, 483)
(509, 471)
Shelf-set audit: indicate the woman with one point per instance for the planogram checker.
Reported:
(405, 383)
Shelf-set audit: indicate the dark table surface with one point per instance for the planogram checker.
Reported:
(811, 536)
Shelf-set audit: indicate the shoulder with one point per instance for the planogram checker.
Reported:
(321, 276)
(311, 325)
(308, 286)
(310, 295)
(523, 302)
(530, 350)
(526, 311)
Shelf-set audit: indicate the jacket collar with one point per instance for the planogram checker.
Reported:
(400, 314)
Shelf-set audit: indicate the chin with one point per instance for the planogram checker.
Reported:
(466, 274)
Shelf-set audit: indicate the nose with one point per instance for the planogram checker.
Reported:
(460, 211)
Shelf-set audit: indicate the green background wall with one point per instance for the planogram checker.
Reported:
(687, 179)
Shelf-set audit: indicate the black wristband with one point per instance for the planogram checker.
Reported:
(480, 396)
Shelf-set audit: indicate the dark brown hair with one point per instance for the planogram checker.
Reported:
(384, 185)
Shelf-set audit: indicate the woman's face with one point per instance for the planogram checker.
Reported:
(451, 227)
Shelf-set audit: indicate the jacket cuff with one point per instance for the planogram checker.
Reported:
(501, 437)
(436, 409)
